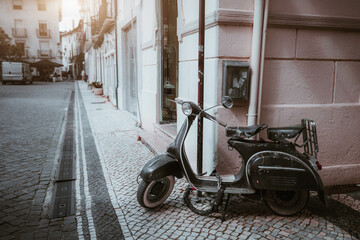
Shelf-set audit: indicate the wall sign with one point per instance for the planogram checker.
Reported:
(236, 79)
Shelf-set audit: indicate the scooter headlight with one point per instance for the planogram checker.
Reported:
(187, 109)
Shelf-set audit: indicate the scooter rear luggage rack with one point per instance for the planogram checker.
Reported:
(310, 141)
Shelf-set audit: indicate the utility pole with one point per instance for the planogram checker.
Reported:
(201, 49)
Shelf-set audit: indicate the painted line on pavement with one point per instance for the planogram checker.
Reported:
(78, 176)
(114, 201)
(85, 173)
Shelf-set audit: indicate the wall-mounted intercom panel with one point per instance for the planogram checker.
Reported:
(236, 77)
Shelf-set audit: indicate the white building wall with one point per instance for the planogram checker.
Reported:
(149, 56)
(188, 77)
(31, 17)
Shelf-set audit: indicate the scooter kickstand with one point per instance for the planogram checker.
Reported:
(223, 214)
(219, 199)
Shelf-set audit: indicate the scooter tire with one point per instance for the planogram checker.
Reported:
(286, 203)
(153, 194)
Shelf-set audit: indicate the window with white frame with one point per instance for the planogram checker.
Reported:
(43, 29)
(19, 30)
(17, 4)
(20, 45)
(44, 48)
(41, 5)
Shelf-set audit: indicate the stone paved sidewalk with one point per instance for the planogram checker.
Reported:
(123, 156)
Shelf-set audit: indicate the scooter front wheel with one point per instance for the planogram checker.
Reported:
(286, 203)
(153, 194)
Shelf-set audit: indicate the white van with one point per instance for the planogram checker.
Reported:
(16, 72)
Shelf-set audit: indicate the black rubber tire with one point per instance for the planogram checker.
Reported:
(3, 83)
(207, 198)
(153, 194)
(286, 203)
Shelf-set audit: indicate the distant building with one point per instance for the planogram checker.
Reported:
(100, 44)
(33, 25)
(72, 50)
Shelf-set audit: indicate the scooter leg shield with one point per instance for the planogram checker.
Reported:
(161, 166)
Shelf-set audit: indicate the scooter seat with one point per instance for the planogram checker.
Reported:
(244, 132)
(288, 132)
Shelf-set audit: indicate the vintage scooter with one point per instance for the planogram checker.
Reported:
(273, 169)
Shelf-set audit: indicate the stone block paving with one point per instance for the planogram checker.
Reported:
(123, 157)
(31, 118)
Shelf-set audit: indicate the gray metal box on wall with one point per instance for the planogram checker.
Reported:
(236, 77)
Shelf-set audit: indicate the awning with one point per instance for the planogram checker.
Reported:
(45, 64)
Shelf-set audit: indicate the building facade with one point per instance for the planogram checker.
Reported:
(72, 43)
(303, 62)
(33, 26)
(100, 45)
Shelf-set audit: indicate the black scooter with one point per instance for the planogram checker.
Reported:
(273, 169)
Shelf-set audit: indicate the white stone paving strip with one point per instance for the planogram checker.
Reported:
(78, 176)
(114, 201)
(86, 183)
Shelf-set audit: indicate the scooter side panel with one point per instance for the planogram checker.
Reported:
(281, 171)
(159, 167)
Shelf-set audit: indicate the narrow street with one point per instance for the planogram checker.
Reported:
(69, 162)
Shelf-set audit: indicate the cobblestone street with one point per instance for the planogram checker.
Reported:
(123, 156)
(31, 119)
(108, 159)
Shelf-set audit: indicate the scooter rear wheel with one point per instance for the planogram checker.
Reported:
(286, 203)
(153, 194)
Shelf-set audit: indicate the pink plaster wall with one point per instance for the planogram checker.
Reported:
(309, 73)
(238, 5)
(314, 73)
(344, 8)
(325, 44)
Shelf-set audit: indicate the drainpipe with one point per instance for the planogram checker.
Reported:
(201, 49)
(266, 13)
(256, 55)
(134, 49)
(116, 57)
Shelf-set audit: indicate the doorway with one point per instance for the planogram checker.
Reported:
(169, 62)
(130, 70)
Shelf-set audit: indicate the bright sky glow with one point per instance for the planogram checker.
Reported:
(70, 12)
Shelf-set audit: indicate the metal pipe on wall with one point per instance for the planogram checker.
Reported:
(266, 14)
(256, 55)
(201, 51)
(116, 56)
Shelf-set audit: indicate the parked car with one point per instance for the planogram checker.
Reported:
(16, 72)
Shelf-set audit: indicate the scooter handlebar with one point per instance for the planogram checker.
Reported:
(212, 118)
(221, 123)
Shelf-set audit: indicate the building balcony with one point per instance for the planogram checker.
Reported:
(101, 22)
(19, 32)
(44, 53)
(43, 33)
(94, 25)
(106, 18)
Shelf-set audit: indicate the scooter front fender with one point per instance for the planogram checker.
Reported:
(159, 167)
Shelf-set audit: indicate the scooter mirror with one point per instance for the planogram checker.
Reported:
(227, 102)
